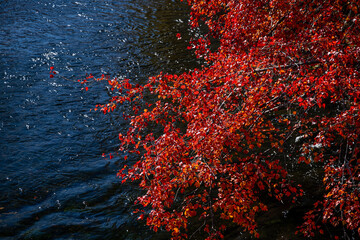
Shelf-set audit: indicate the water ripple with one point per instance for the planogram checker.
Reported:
(54, 181)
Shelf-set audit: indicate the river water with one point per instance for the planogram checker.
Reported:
(55, 184)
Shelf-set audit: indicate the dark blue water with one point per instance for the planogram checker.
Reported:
(54, 182)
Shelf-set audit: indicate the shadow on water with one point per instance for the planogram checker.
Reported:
(54, 182)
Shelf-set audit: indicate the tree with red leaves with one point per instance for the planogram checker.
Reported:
(281, 86)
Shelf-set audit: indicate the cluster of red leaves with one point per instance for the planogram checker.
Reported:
(52, 72)
(282, 84)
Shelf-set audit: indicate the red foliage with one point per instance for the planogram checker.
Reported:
(282, 87)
